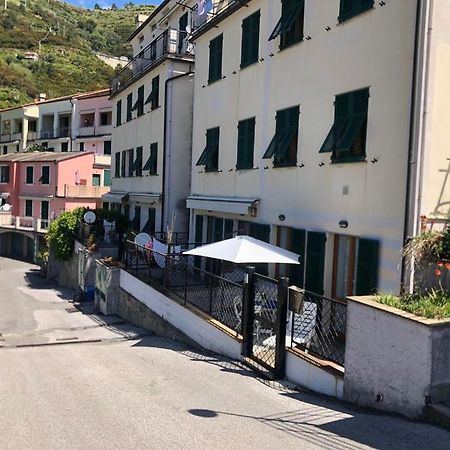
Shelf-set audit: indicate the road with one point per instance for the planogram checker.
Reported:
(70, 381)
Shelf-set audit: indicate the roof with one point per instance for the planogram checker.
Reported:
(41, 156)
(80, 96)
(150, 17)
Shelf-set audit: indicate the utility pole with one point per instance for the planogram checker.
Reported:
(6, 4)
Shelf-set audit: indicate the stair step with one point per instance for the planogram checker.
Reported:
(439, 413)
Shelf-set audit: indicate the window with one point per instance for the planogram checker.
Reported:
(315, 262)
(105, 118)
(215, 59)
(64, 146)
(152, 163)
(130, 162)
(32, 126)
(283, 146)
(139, 105)
(347, 138)
(246, 144)
(182, 25)
(150, 225)
(95, 179)
(107, 147)
(105, 206)
(17, 148)
(44, 210)
(117, 165)
(137, 164)
(123, 164)
(136, 222)
(81, 146)
(129, 106)
(153, 98)
(291, 23)
(355, 266)
(106, 177)
(29, 179)
(4, 174)
(28, 208)
(45, 175)
(87, 120)
(5, 149)
(119, 113)
(250, 39)
(210, 156)
(352, 8)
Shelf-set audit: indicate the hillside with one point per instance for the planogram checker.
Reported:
(69, 36)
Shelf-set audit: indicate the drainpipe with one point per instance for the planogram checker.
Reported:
(417, 128)
(73, 102)
(166, 95)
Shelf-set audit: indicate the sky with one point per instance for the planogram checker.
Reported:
(106, 3)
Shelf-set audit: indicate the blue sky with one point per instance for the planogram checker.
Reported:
(106, 3)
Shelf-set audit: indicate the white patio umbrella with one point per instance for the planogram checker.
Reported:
(245, 250)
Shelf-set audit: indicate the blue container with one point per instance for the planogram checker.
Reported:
(89, 293)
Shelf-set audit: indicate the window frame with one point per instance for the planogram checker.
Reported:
(42, 181)
(26, 212)
(119, 113)
(246, 144)
(250, 37)
(215, 67)
(32, 175)
(4, 174)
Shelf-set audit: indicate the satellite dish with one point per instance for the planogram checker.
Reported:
(142, 239)
(6, 207)
(188, 29)
(89, 217)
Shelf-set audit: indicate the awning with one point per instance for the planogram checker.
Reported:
(145, 197)
(114, 197)
(233, 205)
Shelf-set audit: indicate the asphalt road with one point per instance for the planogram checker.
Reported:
(152, 393)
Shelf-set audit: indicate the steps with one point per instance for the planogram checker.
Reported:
(439, 413)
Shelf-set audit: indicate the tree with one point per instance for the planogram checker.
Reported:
(114, 7)
(97, 6)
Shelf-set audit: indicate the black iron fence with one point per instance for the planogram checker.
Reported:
(217, 296)
(318, 327)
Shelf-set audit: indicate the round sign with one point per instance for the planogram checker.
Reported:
(142, 239)
(89, 217)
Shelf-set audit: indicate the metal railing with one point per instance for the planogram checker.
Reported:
(167, 43)
(32, 135)
(47, 134)
(10, 137)
(216, 296)
(319, 327)
(94, 131)
(63, 132)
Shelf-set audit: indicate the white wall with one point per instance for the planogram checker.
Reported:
(375, 50)
(198, 329)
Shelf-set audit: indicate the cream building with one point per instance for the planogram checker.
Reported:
(152, 123)
(320, 126)
(80, 122)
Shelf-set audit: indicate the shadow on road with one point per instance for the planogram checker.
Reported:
(34, 280)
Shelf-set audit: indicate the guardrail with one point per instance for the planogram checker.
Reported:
(85, 191)
(24, 223)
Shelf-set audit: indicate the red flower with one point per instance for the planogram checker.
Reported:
(447, 266)
(440, 264)
(437, 272)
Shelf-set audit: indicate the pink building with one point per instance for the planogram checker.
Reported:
(36, 187)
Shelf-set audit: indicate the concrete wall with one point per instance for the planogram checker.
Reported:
(394, 361)
(196, 328)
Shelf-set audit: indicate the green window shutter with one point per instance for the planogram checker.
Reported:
(130, 162)
(123, 164)
(246, 144)
(119, 113)
(228, 231)
(290, 11)
(95, 179)
(298, 240)
(28, 208)
(106, 177)
(155, 89)
(152, 163)
(117, 165)
(107, 147)
(198, 238)
(45, 177)
(30, 174)
(140, 101)
(215, 59)
(150, 225)
(250, 39)
(210, 155)
(351, 8)
(138, 162)
(44, 210)
(218, 229)
(129, 106)
(367, 266)
(315, 262)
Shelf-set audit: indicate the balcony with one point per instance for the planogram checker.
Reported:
(85, 191)
(170, 42)
(47, 134)
(10, 137)
(7, 220)
(94, 131)
(32, 136)
(63, 132)
(102, 160)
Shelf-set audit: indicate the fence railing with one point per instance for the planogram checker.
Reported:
(319, 327)
(216, 296)
(10, 137)
(169, 42)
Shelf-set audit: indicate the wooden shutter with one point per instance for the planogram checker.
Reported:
(129, 106)
(228, 231)
(250, 39)
(315, 262)
(155, 92)
(246, 144)
(119, 113)
(218, 229)
(215, 59)
(106, 177)
(117, 165)
(298, 240)
(140, 101)
(367, 267)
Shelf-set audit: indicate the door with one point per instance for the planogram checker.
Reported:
(182, 26)
(315, 262)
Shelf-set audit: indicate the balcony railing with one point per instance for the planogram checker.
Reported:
(85, 191)
(10, 137)
(170, 42)
(23, 223)
(32, 136)
(94, 131)
(102, 160)
(47, 134)
(62, 132)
